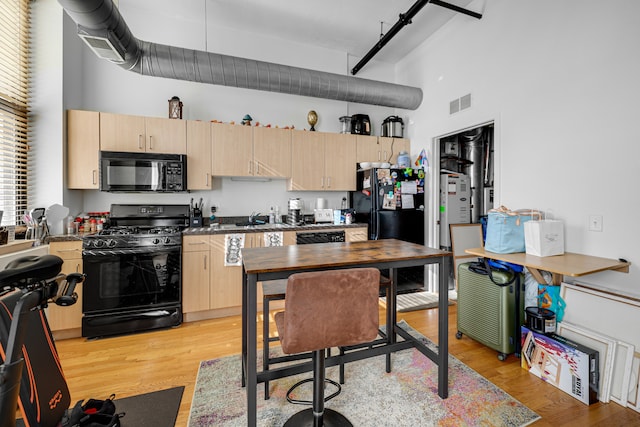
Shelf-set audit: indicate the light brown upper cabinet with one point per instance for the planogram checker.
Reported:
(232, 150)
(83, 149)
(272, 152)
(250, 151)
(391, 147)
(380, 149)
(198, 155)
(322, 162)
(119, 132)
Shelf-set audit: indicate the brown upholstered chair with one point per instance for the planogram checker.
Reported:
(327, 309)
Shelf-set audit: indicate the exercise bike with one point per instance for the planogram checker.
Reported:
(31, 376)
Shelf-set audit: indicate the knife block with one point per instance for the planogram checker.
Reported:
(195, 219)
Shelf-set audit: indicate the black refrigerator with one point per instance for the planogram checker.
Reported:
(391, 202)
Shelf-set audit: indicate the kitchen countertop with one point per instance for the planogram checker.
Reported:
(232, 228)
(63, 238)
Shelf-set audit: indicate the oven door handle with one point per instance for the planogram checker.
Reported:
(129, 251)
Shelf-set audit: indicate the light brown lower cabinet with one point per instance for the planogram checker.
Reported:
(214, 290)
(67, 318)
(196, 267)
(356, 234)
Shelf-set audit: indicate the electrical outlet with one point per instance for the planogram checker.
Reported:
(595, 222)
(214, 208)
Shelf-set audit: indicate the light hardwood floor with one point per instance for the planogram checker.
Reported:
(145, 362)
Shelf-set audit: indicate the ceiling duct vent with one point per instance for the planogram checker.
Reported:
(104, 30)
(103, 43)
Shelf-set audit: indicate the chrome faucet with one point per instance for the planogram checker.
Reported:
(253, 216)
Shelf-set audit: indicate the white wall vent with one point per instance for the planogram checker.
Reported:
(454, 106)
(460, 104)
(465, 102)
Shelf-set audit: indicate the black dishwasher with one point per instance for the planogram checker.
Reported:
(319, 237)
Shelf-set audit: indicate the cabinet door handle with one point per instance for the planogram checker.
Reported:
(257, 168)
(380, 155)
(195, 243)
(94, 178)
(207, 180)
(204, 257)
(322, 182)
(328, 182)
(67, 250)
(249, 167)
(140, 143)
(150, 142)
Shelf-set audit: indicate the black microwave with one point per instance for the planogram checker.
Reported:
(140, 172)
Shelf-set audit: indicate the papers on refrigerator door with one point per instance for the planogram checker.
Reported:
(407, 201)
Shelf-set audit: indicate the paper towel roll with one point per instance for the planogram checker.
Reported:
(321, 203)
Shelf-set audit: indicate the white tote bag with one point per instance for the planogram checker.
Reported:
(544, 237)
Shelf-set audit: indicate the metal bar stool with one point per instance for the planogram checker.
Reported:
(272, 290)
(275, 290)
(327, 309)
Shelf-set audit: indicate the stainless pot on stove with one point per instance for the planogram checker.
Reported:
(392, 127)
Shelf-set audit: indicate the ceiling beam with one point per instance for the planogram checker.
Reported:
(405, 19)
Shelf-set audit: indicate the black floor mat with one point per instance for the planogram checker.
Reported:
(155, 409)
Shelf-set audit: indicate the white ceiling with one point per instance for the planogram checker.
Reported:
(345, 25)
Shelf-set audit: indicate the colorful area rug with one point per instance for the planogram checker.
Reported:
(414, 301)
(370, 396)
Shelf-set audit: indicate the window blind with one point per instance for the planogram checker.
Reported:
(14, 88)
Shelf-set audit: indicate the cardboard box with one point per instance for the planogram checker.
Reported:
(570, 366)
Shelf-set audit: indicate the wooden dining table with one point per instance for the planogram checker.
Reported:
(274, 263)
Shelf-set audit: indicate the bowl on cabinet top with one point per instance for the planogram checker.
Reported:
(385, 165)
(376, 164)
(365, 165)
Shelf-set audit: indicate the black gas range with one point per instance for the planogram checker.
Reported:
(134, 270)
(133, 237)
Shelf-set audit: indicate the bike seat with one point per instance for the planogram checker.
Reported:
(31, 268)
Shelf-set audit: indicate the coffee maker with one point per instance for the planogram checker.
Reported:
(360, 124)
(294, 213)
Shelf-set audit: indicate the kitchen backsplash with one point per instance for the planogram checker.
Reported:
(232, 198)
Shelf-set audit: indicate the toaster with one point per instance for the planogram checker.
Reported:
(323, 215)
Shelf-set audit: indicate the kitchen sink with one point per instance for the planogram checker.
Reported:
(247, 226)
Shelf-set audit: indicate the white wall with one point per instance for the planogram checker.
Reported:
(46, 130)
(95, 84)
(561, 81)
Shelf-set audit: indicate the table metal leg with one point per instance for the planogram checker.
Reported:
(244, 326)
(518, 346)
(251, 348)
(391, 313)
(443, 329)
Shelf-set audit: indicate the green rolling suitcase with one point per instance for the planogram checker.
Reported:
(486, 310)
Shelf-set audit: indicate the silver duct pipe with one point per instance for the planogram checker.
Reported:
(105, 31)
(473, 146)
